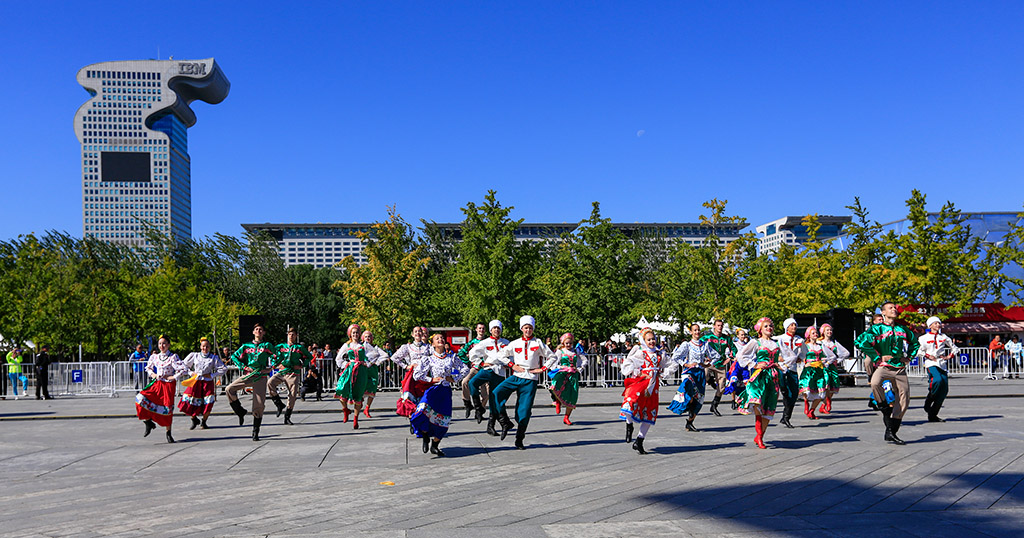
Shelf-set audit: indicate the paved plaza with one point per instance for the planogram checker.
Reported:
(66, 476)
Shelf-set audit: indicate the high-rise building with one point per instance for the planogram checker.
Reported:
(135, 163)
(791, 231)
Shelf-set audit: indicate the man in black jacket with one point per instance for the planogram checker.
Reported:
(43, 361)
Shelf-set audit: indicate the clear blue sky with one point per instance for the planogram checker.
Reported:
(339, 109)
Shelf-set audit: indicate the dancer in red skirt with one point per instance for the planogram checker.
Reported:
(407, 357)
(198, 398)
(642, 369)
(155, 404)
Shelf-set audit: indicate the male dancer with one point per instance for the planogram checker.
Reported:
(889, 347)
(253, 359)
(491, 372)
(936, 348)
(718, 370)
(792, 351)
(481, 333)
(526, 356)
(289, 361)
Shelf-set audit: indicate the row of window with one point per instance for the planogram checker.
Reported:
(122, 75)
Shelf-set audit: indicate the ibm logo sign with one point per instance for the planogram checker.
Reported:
(188, 68)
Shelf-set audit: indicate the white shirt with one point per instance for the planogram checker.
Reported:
(527, 354)
(1014, 348)
(485, 354)
(373, 356)
(834, 352)
(690, 354)
(792, 351)
(936, 349)
(577, 361)
(410, 354)
(206, 367)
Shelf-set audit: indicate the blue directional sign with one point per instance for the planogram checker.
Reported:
(965, 359)
(76, 376)
(914, 361)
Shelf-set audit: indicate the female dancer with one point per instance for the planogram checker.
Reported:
(936, 348)
(761, 395)
(155, 404)
(693, 357)
(564, 372)
(374, 371)
(353, 361)
(812, 380)
(198, 399)
(441, 369)
(642, 372)
(408, 356)
(738, 375)
(834, 353)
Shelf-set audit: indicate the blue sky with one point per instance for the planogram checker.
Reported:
(339, 109)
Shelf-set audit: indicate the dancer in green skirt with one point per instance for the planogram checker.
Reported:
(564, 372)
(813, 380)
(760, 397)
(354, 360)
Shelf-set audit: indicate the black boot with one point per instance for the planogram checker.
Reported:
(490, 426)
(629, 431)
(195, 422)
(690, 427)
(520, 435)
(638, 445)
(787, 413)
(714, 406)
(426, 443)
(469, 407)
(236, 406)
(278, 403)
(887, 420)
(435, 450)
(256, 421)
(478, 407)
(894, 426)
(169, 438)
(150, 426)
(203, 425)
(288, 417)
(506, 424)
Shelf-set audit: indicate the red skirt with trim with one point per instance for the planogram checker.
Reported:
(412, 391)
(636, 404)
(157, 402)
(198, 399)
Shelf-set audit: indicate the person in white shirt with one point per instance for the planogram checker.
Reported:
(792, 351)
(936, 348)
(642, 370)
(1016, 350)
(692, 358)
(526, 356)
(491, 372)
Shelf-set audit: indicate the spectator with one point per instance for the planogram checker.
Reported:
(138, 361)
(43, 361)
(14, 374)
(1016, 350)
(995, 355)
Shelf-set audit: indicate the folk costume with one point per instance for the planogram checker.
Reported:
(792, 351)
(155, 403)
(813, 379)
(373, 382)
(692, 358)
(564, 375)
(760, 396)
(354, 360)
(936, 348)
(491, 372)
(257, 358)
(897, 342)
(527, 354)
(289, 361)
(463, 355)
(835, 353)
(717, 371)
(198, 399)
(407, 357)
(641, 370)
(433, 413)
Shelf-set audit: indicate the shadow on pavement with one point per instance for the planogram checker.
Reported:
(804, 443)
(942, 437)
(688, 448)
(27, 414)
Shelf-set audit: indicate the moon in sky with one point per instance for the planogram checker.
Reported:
(640, 133)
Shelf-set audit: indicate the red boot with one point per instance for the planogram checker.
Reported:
(355, 421)
(558, 408)
(346, 413)
(566, 421)
(366, 411)
(810, 412)
(826, 406)
(759, 428)
(807, 409)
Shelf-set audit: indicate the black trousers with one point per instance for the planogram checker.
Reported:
(43, 383)
(790, 384)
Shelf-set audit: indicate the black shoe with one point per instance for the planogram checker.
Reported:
(280, 405)
(638, 445)
(505, 428)
(785, 422)
(935, 418)
(891, 437)
(426, 443)
(478, 407)
(469, 407)
(288, 417)
(236, 406)
(690, 427)
(490, 427)
(479, 415)
(734, 405)
(629, 431)
(150, 426)
(169, 438)
(195, 422)
(203, 426)
(519, 442)
(436, 450)
(256, 428)
(714, 407)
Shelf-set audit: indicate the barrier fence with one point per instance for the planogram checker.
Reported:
(111, 378)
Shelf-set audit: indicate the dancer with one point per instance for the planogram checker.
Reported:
(199, 397)
(718, 369)
(441, 369)
(936, 348)
(738, 375)
(353, 360)
(889, 346)
(792, 350)
(467, 396)
(253, 359)
(641, 369)
(564, 372)
(407, 357)
(373, 369)
(526, 356)
(834, 354)
(289, 361)
(869, 369)
(813, 381)
(155, 403)
(692, 357)
(484, 356)
(761, 394)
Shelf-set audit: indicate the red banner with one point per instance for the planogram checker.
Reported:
(976, 313)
